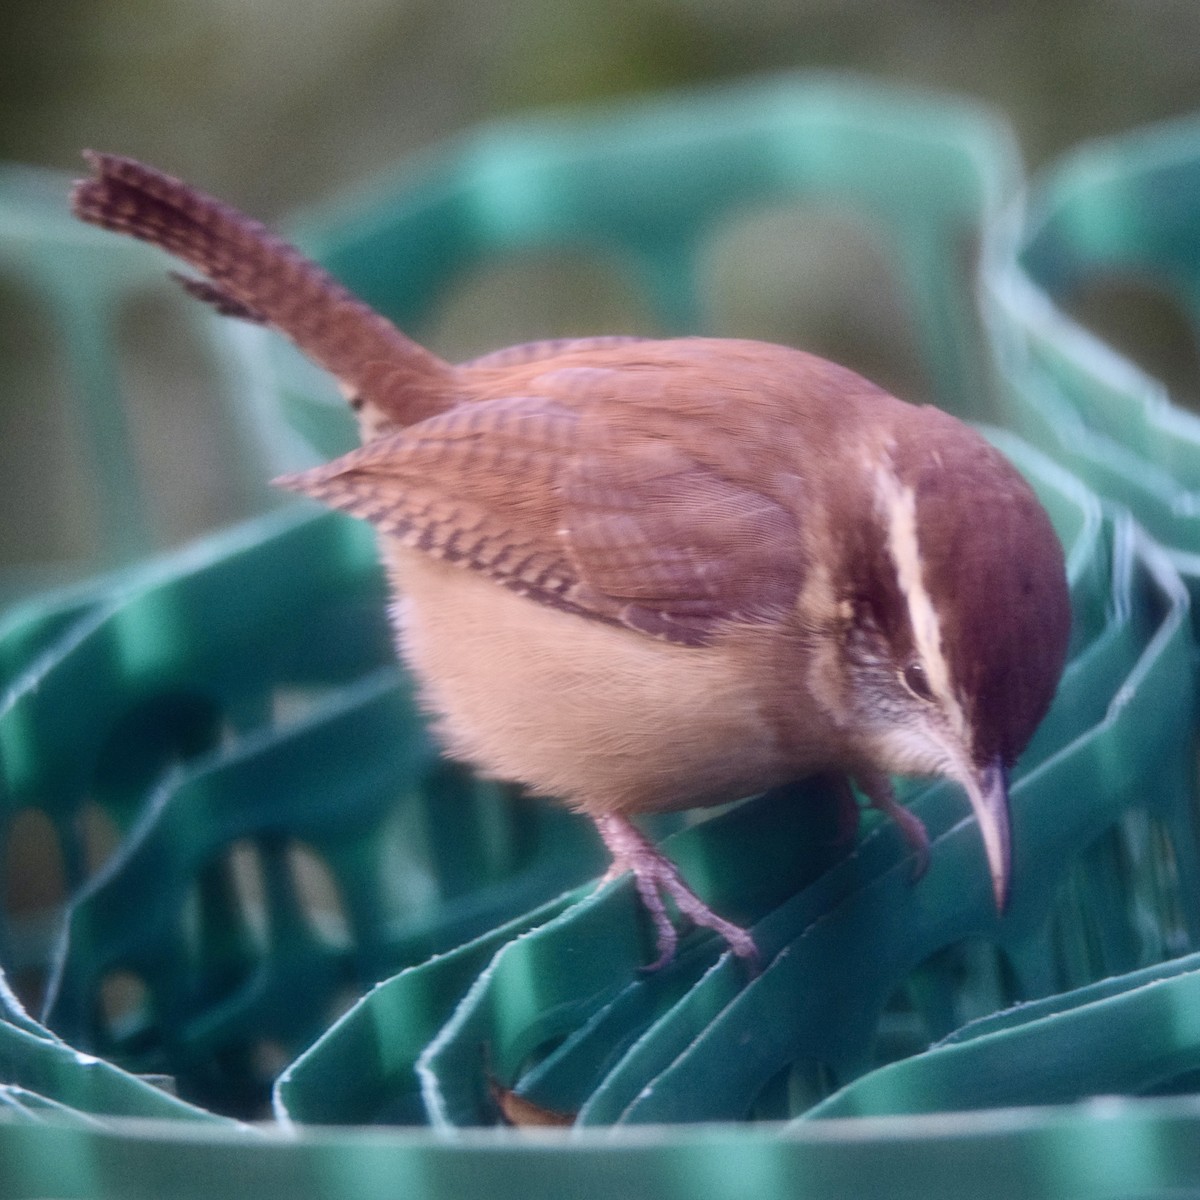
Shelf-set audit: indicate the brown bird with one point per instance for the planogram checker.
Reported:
(645, 575)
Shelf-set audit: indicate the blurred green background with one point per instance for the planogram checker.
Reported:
(276, 102)
(279, 104)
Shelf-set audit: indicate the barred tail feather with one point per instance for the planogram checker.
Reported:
(253, 274)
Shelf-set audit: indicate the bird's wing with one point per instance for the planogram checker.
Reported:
(526, 353)
(578, 502)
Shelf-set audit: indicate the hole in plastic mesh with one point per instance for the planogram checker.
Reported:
(1118, 908)
(818, 280)
(49, 512)
(1147, 323)
(33, 892)
(957, 984)
(244, 868)
(268, 1058)
(184, 444)
(124, 1007)
(462, 834)
(1153, 882)
(29, 984)
(532, 297)
(536, 1056)
(99, 836)
(793, 1090)
(292, 704)
(34, 874)
(153, 734)
(319, 894)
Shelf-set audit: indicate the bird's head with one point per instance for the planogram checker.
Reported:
(957, 616)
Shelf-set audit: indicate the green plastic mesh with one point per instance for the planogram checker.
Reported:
(1116, 210)
(240, 882)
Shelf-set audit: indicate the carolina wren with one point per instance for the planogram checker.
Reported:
(644, 575)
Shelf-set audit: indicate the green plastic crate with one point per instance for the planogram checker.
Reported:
(1119, 208)
(249, 827)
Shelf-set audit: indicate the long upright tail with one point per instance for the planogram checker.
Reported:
(252, 274)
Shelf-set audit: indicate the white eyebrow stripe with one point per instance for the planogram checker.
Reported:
(898, 505)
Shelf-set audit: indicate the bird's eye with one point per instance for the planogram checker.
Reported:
(917, 681)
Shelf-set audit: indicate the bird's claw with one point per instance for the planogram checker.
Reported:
(657, 878)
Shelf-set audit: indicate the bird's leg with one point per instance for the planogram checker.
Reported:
(846, 803)
(657, 877)
(878, 790)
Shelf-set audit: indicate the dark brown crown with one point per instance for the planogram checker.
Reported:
(994, 570)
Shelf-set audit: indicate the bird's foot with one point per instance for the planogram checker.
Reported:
(879, 791)
(657, 879)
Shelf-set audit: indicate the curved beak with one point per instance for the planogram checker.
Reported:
(987, 789)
